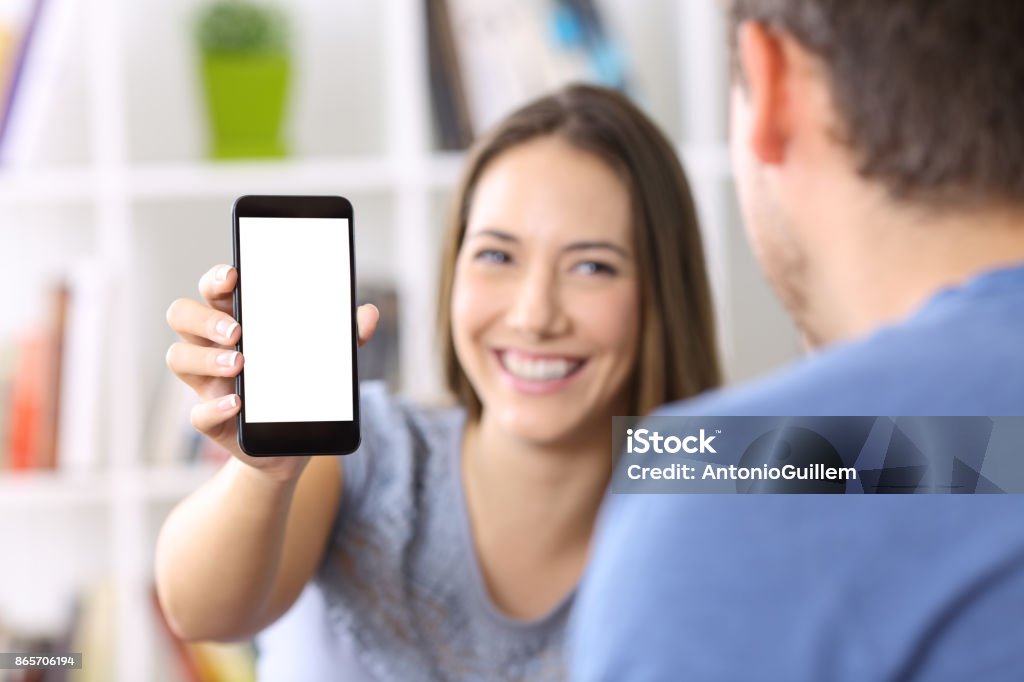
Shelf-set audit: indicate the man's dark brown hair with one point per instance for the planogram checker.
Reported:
(930, 92)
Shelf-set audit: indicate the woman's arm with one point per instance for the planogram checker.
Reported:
(234, 556)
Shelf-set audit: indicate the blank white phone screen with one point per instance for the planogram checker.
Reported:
(296, 319)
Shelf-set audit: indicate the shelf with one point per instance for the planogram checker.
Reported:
(205, 179)
(234, 178)
(161, 485)
(48, 489)
(54, 489)
(47, 185)
(293, 176)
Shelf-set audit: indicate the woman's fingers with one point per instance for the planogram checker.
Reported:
(217, 287)
(201, 325)
(207, 370)
(185, 358)
(211, 417)
(367, 317)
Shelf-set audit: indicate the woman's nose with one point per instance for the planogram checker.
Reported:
(535, 310)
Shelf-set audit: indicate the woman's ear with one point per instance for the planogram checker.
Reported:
(763, 66)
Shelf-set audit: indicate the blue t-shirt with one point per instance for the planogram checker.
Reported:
(777, 587)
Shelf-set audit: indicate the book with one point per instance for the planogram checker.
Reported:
(8, 52)
(51, 378)
(46, 457)
(25, 420)
(7, 360)
(579, 25)
(18, 22)
(379, 359)
(21, 20)
(34, 397)
(508, 52)
(94, 631)
(89, 301)
(452, 124)
(45, 43)
(224, 662)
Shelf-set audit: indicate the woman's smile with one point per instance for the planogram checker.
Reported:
(537, 373)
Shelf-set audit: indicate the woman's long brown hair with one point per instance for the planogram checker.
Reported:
(677, 355)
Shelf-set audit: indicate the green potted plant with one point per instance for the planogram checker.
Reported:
(245, 63)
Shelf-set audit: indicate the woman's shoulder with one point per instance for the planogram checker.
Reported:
(391, 422)
(383, 410)
(402, 442)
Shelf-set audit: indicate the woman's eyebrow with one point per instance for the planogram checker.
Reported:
(497, 234)
(582, 246)
(575, 246)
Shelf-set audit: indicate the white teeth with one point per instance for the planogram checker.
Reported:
(547, 369)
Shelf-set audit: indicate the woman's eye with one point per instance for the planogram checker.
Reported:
(493, 256)
(592, 267)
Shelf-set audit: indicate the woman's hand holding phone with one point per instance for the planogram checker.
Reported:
(206, 360)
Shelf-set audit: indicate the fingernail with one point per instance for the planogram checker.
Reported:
(226, 327)
(227, 359)
(222, 273)
(228, 403)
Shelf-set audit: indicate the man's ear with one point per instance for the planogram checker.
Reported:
(762, 61)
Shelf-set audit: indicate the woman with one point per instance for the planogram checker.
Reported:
(449, 547)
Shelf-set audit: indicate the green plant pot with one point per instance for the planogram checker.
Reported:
(245, 98)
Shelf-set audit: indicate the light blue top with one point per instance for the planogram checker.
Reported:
(794, 588)
(400, 596)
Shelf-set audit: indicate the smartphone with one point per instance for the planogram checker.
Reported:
(295, 302)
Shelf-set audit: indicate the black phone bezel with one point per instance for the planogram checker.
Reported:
(271, 439)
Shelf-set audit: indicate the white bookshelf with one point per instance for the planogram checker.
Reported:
(190, 181)
(137, 193)
(26, 491)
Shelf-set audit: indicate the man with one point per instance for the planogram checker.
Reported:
(878, 147)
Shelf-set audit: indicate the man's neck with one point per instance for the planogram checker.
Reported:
(894, 261)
